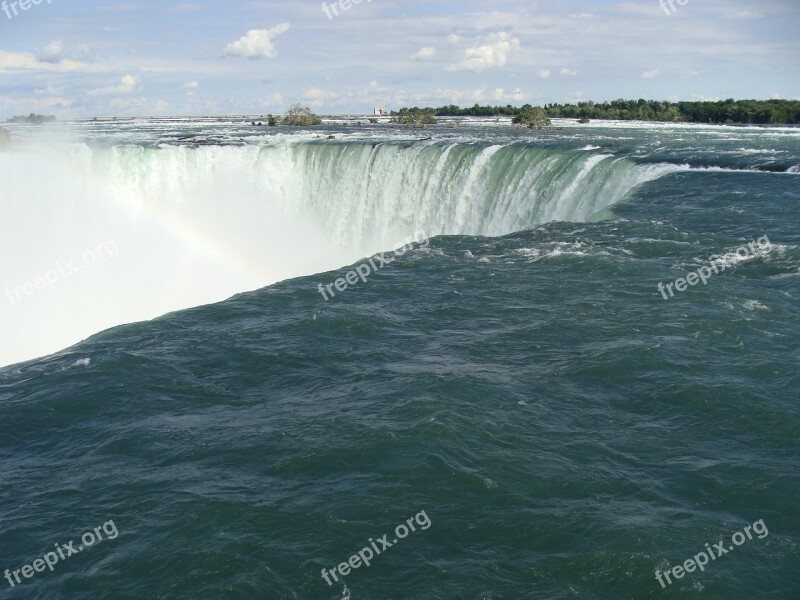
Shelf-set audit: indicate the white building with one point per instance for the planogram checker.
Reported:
(382, 112)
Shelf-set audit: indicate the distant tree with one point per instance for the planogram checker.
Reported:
(32, 118)
(728, 111)
(415, 117)
(301, 116)
(534, 118)
(271, 121)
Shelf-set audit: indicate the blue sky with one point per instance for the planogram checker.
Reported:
(147, 57)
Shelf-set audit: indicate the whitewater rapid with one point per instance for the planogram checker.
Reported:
(196, 225)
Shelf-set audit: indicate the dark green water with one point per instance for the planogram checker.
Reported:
(565, 429)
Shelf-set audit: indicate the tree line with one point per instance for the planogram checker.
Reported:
(32, 118)
(754, 112)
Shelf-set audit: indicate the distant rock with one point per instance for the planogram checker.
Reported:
(584, 121)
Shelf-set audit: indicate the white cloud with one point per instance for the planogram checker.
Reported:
(276, 99)
(650, 74)
(317, 97)
(83, 52)
(19, 61)
(52, 53)
(127, 84)
(26, 105)
(455, 96)
(50, 90)
(191, 85)
(491, 54)
(501, 95)
(424, 53)
(544, 73)
(256, 43)
(55, 53)
(130, 105)
(453, 38)
(569, 72)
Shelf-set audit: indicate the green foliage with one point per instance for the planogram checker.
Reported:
(755, 112)
(532, 118)
(451, 110)
(32, 118)
(271, 121)
(415, 117)
(301, 116)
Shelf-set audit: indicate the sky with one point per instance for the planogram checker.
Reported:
(91, 58)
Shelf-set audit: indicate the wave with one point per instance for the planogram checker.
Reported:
(191, 226)
(738, 169)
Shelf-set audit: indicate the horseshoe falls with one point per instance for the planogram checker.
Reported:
(195, 225)
(467, 362)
